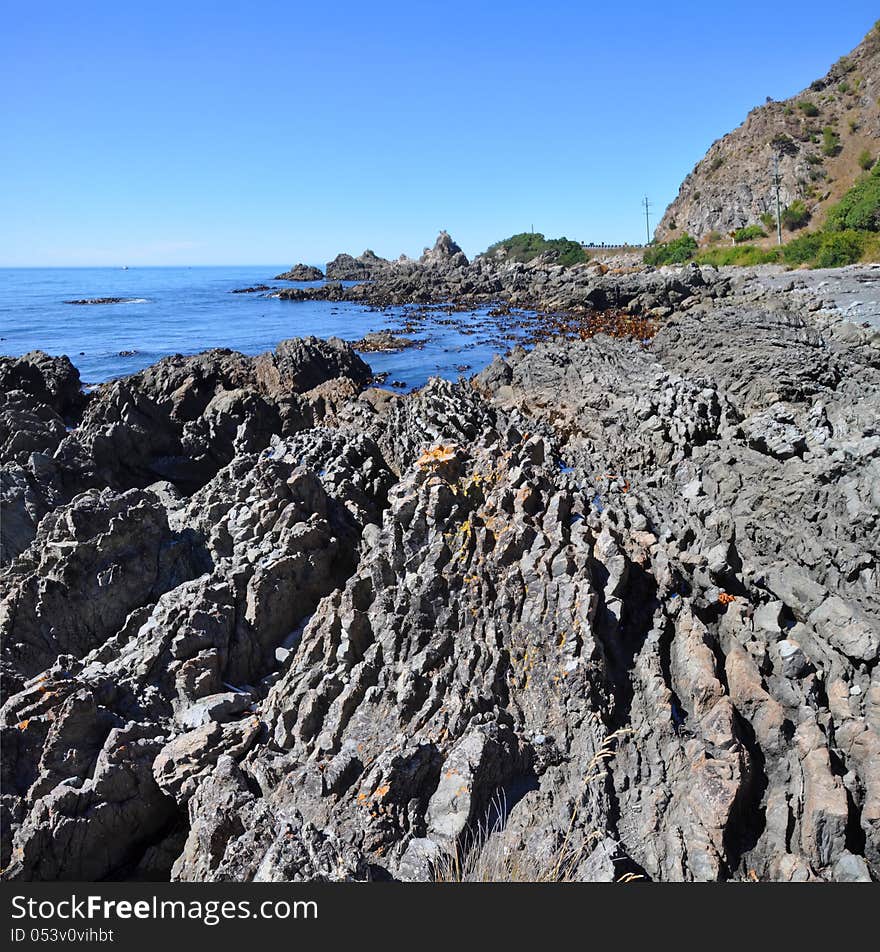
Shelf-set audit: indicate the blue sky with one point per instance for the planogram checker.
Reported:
(237, 133)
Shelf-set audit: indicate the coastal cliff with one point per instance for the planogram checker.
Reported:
(824, 138)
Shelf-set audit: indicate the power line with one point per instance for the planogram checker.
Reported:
(778, 207)
(647, 205)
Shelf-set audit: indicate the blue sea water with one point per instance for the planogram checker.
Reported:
(184, 310)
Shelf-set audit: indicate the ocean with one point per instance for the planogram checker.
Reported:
(184, 310)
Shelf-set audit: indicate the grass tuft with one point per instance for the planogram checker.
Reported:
(481, 856)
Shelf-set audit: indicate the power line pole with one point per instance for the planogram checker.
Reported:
(778, 206)
(647, 205)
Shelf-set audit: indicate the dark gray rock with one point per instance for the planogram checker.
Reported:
(363, 268)
(301, 272)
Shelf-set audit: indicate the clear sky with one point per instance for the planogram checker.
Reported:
(264, 132)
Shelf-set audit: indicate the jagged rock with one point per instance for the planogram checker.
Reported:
(303, 363)
(385, 341)
(86, 830)
(92, 563)
(50, 380)
(363, 268)
(24, 502)
(184, 418)
(28, 426)
(445, 253)
(836, 621)
(301, 272)
(184, 761)
(233, 836)
(792, 658)
(774, 432)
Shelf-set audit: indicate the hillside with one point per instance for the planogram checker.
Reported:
(822, 136)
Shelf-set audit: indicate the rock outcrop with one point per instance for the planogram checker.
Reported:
(443, 275)
(363, 268)
(301, 272)
(445, 253)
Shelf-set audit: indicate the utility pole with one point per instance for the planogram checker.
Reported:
(647, 205)
(778, 206)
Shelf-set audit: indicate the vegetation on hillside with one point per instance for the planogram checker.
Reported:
(851, 233)
(819, 249)
(738, 254)
(859, 208)
(671, 252)
(528, 245)
(830, 142)
(797, 215)
(749, 233)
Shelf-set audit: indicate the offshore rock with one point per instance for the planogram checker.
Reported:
(301, 272)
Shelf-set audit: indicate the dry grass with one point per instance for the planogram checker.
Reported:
(481, 857)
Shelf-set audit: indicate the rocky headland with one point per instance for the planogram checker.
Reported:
(615, 600)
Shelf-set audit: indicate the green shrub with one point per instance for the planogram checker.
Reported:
(796, 215)
(808, 108)
(802, 250)
(768, 219)
(840, 248)
(871, 250)
(784, 144)
(528, 245)
(823, 249)
(866, 160)
(748, 233)
(745, 255)
(677, 251)
(830, 141)
(860, 207)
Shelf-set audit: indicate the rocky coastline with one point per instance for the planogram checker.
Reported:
(263, 620)
(444, 276)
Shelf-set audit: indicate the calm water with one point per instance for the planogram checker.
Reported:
(186, 310)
